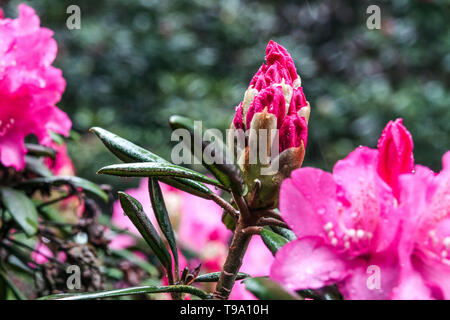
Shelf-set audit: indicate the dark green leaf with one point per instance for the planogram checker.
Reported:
(39, 151)
(156, 170)
(22, 209)
(129, 152)
(19, 295)
(286, 233)
(226, 171)
(159, 208)
(133, 209)
(272, 240)
(229, 221)
(130, 291)
(130, 256)
(36, 166)
(214, 277)
(265, 289)
(73, 181)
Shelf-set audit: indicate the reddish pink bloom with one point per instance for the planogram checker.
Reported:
(276, 89)
(29, 86)
(425, 207)
(347, 223)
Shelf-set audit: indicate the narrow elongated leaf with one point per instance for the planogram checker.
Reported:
(155, 170)
(159, 208)
(22, 209)
(214, 277)
(224, 169)
(272, 240)
(73, 181)
(36, 166)
(130, 256)
(39, 151)
(133, 209)
(130, 291)
(17, 293)
(129, 152)
(286, 233)
(266, 289)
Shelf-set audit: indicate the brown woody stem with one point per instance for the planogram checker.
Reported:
(236, 252)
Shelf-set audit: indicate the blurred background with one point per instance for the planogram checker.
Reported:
(134, 63)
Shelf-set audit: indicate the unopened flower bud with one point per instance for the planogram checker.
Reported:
(274, 115)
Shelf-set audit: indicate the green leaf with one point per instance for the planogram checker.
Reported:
(36, 166)
(214, 277)
(21, 208)
(129, 152)
(19, 295)
(130, 256)
(73, 181)
(155, 170)
(229, 221)
(159, 208)
(272, 240)
(226, 172)
(130, 291)
(286, 233)
(39, 150)
(265, 289)
(133, 209)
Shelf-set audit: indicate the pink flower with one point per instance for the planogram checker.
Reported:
(425, 258)
(41, 253)
(347, 223)
(29, 86)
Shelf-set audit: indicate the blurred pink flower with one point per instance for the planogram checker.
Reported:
(29, 86)
(346, 221)
(41, 253)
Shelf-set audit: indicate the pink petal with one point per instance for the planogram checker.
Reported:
(306, 263)
(293, 132)
(308, 201)
(371, 280)
(367, 200)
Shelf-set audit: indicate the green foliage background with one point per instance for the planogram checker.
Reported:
(134, 63)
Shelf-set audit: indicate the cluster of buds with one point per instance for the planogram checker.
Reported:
(269, 131)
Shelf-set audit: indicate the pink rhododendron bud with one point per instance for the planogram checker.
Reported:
(396, 153)
(274, 115)
(29, 86)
